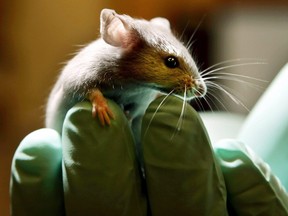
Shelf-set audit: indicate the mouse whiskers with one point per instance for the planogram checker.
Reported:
(226, 90)
(157, 109)
(190, 41)
(184, 31)
(210, 70)
(215, 74)
(249, 61)
(205, 98)
(181, 117)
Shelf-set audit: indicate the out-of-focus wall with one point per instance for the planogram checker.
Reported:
(36, 37)
(253, 34)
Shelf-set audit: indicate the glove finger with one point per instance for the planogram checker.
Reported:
(251, 187)
(181, 173)
(36, 182)
(100, 173)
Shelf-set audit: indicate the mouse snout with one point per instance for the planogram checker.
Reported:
(200, 88)
(191, 87)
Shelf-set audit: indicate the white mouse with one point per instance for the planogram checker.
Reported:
(132, 61)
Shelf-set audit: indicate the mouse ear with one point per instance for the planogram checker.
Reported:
(161, 22)
(115, 29)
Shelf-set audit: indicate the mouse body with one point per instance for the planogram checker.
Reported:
(132, 61)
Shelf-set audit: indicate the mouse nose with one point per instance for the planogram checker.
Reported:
(200, 88)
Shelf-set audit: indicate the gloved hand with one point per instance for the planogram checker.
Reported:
(93, 170)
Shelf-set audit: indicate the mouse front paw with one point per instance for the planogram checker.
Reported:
(100, 107)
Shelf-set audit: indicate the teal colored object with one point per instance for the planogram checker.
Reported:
(36, 179)
(252, 189)
(266, 128)
(93, 170)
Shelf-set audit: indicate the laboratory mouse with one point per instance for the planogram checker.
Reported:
(131, 62)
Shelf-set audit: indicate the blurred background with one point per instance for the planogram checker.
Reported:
(37, 37)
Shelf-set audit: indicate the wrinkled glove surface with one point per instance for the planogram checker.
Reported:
(93, 170)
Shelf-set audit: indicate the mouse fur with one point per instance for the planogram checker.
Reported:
(128, 64)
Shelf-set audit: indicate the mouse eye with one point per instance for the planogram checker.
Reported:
(171, 62)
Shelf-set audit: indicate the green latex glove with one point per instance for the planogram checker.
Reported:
(97, 173)
(252, 189)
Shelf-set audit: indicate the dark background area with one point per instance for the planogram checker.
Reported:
(36, 37)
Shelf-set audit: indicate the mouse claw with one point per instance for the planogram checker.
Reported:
(104, 114)
(100, 107)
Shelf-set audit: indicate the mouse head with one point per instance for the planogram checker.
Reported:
(151, 55)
